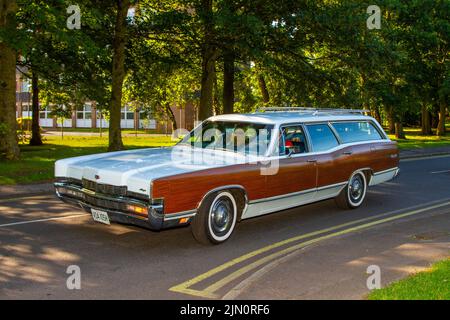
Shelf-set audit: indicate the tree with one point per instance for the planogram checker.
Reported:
(118, 74)
(209, 54)
(425, 31)
(36, 139)
(8, 137)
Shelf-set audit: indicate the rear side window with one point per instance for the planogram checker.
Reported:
(356, 131)
(322, 138)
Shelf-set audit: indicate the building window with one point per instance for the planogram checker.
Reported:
(45, 114)
(25, 86)
(84, 113)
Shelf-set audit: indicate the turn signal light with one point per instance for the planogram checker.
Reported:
(184, 220)
(137, 209)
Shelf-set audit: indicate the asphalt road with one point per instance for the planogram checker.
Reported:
(40, 237)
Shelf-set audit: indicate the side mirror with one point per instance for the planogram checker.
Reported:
(289, 152)
(289, 148)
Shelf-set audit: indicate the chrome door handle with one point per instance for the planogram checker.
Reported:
(312, 160)
(347, 153)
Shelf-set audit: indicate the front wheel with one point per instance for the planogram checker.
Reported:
(354, 193)
(215, 219)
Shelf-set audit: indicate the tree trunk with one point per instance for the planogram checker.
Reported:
(207, 86)
(209, 56)
(171, 116)
(36, 139)
(62, 128)
(435, 116)
(118, 74)
(426, 121)
(391, 120)
(442, 114)
(228, 83)
(8, 135)
(263, 88)
(376, 114)
(216, 104)
(399, 133)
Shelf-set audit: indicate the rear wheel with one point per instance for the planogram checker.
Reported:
(216, 218)
(354, 193)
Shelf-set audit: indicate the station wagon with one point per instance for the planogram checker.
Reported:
(234, 167)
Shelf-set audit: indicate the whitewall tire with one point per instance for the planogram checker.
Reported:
(216, 218)
(354, 193)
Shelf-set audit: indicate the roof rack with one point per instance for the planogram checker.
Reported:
(313, 111)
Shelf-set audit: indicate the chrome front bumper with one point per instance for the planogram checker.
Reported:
(115, 206)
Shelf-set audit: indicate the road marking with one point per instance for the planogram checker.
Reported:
(27, 198)
(43, 220)
(442, 171)
(210, 291)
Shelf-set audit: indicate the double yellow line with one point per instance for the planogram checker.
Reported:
(211, 290)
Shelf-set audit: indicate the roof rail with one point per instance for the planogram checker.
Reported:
(314, 111)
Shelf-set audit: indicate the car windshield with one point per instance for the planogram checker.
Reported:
(239, 137)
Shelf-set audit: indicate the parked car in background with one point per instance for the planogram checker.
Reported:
(234, 167)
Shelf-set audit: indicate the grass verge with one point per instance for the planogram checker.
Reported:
(37, 163)
(415, 140)
(433, 284)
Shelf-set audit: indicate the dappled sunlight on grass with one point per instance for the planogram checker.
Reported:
(414, 139)
(433, 284)
(37, 162)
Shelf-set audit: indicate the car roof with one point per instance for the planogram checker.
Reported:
(279, 118)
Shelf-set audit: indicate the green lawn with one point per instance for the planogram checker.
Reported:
(433, 284)
(414, 139)
(37, 163)
(97, 130)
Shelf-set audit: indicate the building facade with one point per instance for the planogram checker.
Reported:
(89, 117)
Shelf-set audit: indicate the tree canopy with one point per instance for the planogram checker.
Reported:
(235, 56)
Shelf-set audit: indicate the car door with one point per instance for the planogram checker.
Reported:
(334, 164)
(296, 178)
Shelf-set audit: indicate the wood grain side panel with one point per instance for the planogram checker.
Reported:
(335, 167)
(385, 156)
(338, 166)
(294, 174)
(187, 190)
(184, 192)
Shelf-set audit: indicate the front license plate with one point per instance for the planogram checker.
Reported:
(100, 216)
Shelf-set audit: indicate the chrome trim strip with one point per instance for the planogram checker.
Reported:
(292, 200)
(231, 186)
(332, 186)
(180, 215)
(293, 194)
(383, 176)
(384, 171)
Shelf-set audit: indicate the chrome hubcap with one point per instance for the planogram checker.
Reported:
(356, 188)
(221, 215)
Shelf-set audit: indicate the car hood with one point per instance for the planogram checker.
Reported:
(137, 168)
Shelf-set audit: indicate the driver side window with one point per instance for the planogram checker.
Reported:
(292, 140)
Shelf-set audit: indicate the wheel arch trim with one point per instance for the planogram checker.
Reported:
(227, 187)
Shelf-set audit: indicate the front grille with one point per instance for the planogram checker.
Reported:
(104, 203)
(105, 188)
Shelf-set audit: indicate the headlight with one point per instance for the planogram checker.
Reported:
(69, 192)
